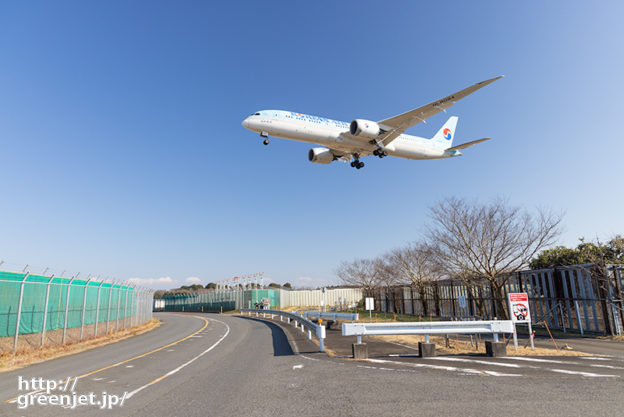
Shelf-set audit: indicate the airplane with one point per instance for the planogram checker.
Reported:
(351, 141)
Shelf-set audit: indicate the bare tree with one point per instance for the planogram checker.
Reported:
(489, 240)
(417, 264)
(363, 273)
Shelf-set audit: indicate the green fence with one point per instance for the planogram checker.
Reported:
(38, 304)
(214, 300)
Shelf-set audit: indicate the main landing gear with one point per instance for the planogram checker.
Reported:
(356, 162)
(380, 153)
(266, 142)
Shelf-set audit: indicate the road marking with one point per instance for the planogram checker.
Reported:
(430, 366)
(12, 400)
(98, 379)
(405, 346)
(593, 358)
(587, 374)
(311, 359)
(507, 365)
(129, 366)
(297, 367)
(184, 364)
(593, 365)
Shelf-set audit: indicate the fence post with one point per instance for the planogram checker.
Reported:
(19, 311)
(45, 310)
(97, 309)
(125, 321)
(66, 309)
(110, 296)
(118, 306)
(84, 306)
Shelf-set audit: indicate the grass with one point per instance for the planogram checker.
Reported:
(378, 316)
(25, 357)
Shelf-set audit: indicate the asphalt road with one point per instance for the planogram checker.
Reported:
(229, 366)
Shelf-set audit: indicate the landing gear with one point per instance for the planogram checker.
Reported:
(266, 142)
(356, 162)
(380, 153)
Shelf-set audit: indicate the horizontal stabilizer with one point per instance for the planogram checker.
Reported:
(467, 144)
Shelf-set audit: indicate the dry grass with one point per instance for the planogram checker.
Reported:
(464, 347)
(24, 357)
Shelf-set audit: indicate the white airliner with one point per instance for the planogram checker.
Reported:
(346, 141)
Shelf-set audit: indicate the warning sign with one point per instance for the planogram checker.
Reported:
(519, 307)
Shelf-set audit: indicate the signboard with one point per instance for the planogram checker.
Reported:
(519, 307)
(370, 303)
(461, 300)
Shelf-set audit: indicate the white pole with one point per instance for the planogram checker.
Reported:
(97, 309)
(84, 307)
(118, 307)
(19, 311)
(45, 310)
(125, 319)
(67, 309)
(110, 296)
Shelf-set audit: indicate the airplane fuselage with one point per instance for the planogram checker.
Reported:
(331, 133)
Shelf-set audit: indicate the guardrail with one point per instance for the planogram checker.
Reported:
(330, 315)
(299, 320)
(428, 327)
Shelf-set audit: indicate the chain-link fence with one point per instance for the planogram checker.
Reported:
(37, 310)
(579, 298)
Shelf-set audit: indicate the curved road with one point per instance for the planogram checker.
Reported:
(220, 365)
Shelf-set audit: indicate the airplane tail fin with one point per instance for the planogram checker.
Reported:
(444, 138)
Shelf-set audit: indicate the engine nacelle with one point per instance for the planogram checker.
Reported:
(320, 155)
(366, 128)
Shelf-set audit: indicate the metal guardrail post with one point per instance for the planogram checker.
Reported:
(19, 312)
(45, 311)
(84, 307)
(67, 309)
(97, 309)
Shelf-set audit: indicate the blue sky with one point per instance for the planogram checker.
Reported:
(123, 154)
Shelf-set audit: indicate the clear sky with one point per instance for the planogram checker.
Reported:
(123, 155)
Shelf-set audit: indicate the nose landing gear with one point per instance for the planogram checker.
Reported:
(266, 142)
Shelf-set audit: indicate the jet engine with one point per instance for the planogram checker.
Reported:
(366, 128)
(320, 155)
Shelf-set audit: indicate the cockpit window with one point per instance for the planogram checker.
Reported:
(256, 114)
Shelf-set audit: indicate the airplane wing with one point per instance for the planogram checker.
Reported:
(395, 126)
(467, 144)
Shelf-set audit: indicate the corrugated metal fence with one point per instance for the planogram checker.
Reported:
(568, 298)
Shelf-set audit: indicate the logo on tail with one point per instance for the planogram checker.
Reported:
(447, 133)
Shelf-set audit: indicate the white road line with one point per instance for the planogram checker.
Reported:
(593, 365)
(518, 358)
(430, 366)
(184, 364)
(312, 359)
(405, 346)
(588, 374)
(594, 358)
(507, 365)
(297, 367)
(129, 366)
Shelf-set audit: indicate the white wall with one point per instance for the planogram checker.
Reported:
(309, 298)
